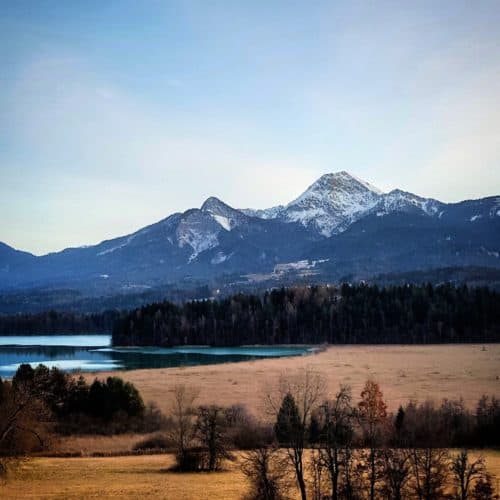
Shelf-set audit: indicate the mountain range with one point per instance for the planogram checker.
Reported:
(341, 227)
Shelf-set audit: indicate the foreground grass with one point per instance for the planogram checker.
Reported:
(119, 477)
(146, 476)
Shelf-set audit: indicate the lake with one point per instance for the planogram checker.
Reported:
(95, 353)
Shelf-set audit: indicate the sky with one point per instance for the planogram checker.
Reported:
(115, 114)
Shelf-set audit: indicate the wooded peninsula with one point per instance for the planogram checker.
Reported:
(357, 314)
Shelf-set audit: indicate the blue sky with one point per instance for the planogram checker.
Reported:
(115, 114)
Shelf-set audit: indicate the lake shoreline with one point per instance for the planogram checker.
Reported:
(94, 353)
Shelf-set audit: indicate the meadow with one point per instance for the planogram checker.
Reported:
(146, 476)
(404, 372)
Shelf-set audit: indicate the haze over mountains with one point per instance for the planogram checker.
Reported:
(341, 227)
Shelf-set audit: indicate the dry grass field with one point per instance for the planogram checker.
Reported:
(86, 445)
(118, 477)
(403, 372)
(133, 477)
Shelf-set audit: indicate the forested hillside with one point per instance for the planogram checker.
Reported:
(313, 315)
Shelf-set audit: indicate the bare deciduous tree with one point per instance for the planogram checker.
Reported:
(335, 422)
(430, 472)
(318, 474)
(466, 473)
(183, 429)
(210, 431)
(267, 474)
(397, 473)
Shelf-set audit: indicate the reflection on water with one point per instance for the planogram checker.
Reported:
(94, 353)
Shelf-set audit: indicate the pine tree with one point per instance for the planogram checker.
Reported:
(288, 425)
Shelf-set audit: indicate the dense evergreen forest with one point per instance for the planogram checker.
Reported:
(52, 322)
(321, 314)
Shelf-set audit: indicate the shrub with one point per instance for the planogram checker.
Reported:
(191, 460)
(252, 436)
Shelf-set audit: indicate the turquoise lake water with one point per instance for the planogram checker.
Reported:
(95, 353)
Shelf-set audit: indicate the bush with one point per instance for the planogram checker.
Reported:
(190, 461)
(252, 436)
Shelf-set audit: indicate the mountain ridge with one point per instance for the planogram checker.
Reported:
(339, 225)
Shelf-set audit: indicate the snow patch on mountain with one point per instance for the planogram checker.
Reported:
(123, 242)
(266, 213)
(199, 242)
(220, 257)
(199, 231)
(225, 222)
(491, 253)
(117, 247)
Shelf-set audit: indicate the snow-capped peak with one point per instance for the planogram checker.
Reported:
(333, 202)
(223, 214)
(328, 205)
(332, 186)
(336, 200)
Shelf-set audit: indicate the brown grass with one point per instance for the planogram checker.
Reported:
(404, 372)
(132, 477)
(119, 477)
(88, 445)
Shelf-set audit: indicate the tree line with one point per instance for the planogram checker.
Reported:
(354, 314)
(39, 403)
(53, 322)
